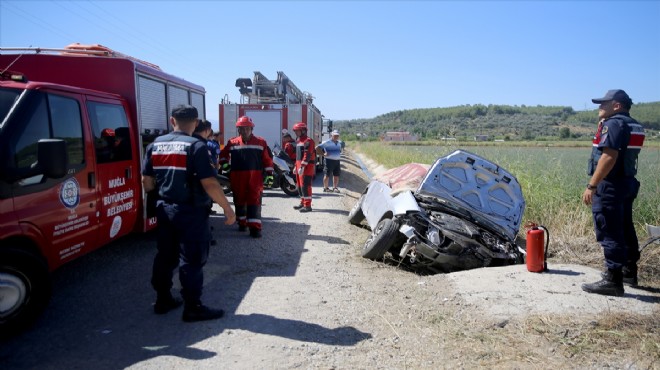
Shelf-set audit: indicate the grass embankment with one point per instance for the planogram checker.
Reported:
(552, 178)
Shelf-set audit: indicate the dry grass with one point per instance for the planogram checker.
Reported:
(550, 341)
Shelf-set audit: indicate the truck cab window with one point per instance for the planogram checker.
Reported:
(111, 135)
(53, 116)
(7, 99)
(67, 125)
(37, 127)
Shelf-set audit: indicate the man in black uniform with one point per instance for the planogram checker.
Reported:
(179, 166)
(612, 190)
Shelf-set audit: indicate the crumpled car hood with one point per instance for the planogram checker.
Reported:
(476, 189)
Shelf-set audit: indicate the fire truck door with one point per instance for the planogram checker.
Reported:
(117, 166)
(63, 210)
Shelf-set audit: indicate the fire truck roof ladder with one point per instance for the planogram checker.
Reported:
(279, 91)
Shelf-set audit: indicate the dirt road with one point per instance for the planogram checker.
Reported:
(302, 297)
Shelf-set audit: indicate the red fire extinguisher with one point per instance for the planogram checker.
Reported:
(537, 253)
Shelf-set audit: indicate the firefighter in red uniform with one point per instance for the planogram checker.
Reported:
(305, 166)
(248, 157)
(289, 146)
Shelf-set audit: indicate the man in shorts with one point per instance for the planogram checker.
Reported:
(332, 151)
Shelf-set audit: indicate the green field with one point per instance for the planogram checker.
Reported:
(552, 180)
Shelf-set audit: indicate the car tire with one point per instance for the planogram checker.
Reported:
(381, 239)
(25, 289)
(355, 216)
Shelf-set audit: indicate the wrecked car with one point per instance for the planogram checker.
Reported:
(460, 213)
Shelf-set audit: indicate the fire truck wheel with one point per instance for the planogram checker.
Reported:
(355, 216)
(381, 239)
(24, 289)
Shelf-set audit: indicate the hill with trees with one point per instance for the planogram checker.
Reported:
(496, 122)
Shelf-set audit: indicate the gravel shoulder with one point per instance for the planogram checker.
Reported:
(302, 297)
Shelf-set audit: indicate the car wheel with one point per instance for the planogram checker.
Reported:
(381, 239)
(24, 289)
(355, 216)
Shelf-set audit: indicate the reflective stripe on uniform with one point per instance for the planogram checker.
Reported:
(170, 155)
(244, 147)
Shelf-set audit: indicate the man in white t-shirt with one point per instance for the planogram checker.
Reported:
(332, 151)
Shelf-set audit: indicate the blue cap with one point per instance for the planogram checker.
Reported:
(617, 95)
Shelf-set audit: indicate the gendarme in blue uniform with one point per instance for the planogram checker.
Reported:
(178, 162)
(612, 201)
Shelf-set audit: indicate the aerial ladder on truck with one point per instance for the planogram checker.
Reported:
(261, 90)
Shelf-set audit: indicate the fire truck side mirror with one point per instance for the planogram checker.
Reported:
(52, 158)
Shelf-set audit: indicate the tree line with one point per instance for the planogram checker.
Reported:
(493, 122)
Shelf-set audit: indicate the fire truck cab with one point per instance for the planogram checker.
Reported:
(74, 123)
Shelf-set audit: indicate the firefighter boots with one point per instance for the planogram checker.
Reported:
(611, 284)
(306, 209)
(201, 313)
(255, 233)
(299, 206)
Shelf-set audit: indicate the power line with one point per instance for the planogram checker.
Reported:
(34, 20)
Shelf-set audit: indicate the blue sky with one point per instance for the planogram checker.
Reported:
(363, 59)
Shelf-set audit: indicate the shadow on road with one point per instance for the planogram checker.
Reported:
(101, 314)
(300, 330)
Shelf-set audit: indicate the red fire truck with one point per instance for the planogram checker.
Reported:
(74, 123)
(273, 105)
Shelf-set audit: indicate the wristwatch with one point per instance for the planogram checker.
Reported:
(591, 187)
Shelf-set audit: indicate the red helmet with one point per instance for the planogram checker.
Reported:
(244, 121)
(108, 132)
(300, 126)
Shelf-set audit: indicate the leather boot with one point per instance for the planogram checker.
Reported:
(610, 284)
(630, 275)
